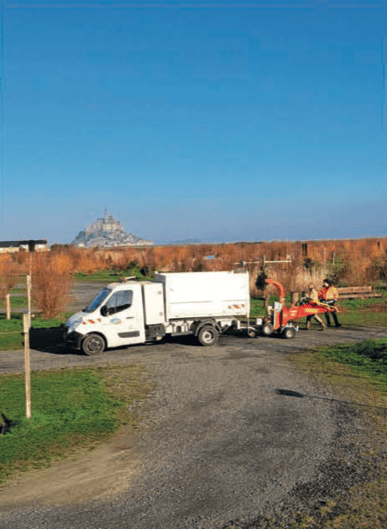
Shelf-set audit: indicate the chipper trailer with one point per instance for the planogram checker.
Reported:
(203, 304)
(280, 319)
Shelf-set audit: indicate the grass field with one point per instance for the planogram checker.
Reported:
(71, 409)
(108, 276)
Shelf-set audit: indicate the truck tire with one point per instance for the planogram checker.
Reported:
(289, 333)
(208, 335)
(267, 329)
(251, 333)
(93, 344)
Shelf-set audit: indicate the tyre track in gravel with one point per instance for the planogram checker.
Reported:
(218, 441)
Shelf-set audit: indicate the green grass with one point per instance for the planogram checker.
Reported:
(358, 375)
(108, 276)
(368, 357)
(70, 409)
(16, 302)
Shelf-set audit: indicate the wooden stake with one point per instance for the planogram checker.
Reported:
(26, 328)
(8, 305)
(29, 299)
(266, 301)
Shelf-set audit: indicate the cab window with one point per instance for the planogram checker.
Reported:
(98, 300)
(119, 301)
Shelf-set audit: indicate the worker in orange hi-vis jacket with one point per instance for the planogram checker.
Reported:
(329, 295)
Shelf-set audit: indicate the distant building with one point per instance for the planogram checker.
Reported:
(29, 246)
(107, 232)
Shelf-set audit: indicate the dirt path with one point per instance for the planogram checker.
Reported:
(84, 476)
(219, 442)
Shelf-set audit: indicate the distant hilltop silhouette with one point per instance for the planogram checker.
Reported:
(107, 232)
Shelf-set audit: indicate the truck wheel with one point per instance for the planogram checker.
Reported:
(267, 329)
(289, 332)
(251, 332)
(93, 344)
(208, 335)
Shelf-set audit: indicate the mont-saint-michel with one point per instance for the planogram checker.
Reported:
(107, 232)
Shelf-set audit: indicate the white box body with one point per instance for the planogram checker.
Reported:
(201, 294)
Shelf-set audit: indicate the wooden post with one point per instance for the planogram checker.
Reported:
(29, 299)
(266, 301)
(27, 366)
(8, 305)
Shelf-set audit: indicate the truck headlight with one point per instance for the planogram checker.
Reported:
(73, 325)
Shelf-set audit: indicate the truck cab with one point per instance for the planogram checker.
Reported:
(114, 318)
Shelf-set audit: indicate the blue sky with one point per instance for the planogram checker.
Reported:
(214, 121)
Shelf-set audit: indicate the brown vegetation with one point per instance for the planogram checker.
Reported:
(9, 275)
(50, 282)
(348, 262)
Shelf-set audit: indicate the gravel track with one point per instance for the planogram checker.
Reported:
(220, 445)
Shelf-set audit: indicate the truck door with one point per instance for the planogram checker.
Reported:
(124, 318)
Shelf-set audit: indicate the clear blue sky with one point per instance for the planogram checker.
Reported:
(215, 121)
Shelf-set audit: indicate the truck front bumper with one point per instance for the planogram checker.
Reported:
(73, 339)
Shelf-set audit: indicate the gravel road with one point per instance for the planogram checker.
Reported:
(224, 439)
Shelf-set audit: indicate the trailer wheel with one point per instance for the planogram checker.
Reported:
(93, 344)
(267, 329)
(208, 335)
(289, 332)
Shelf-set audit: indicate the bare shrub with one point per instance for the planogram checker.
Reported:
(64, 261)
(9, 275)
(296, 278)
(50, 283)
(377, 270)
(21, 257)
(88, 262)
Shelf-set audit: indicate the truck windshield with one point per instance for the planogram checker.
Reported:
(98, 300)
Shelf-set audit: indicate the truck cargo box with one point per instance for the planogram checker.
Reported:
(205, 294)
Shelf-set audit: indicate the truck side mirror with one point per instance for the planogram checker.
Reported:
(104, 310)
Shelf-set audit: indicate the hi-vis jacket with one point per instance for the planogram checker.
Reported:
(329, 293)
(312, 296)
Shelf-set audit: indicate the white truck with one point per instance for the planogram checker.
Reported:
(133, 312)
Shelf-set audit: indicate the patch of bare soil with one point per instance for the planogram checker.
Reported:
(84, 476)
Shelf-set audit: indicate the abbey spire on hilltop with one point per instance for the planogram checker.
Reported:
(107, 232)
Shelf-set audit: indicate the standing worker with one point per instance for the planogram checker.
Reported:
(329, 295)
(312, 297)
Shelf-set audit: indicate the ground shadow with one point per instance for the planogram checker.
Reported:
(47, 340)
(184, 339)
(291, 393)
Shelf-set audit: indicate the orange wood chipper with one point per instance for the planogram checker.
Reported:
(280, 319)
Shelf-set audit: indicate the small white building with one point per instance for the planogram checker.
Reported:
(31, 245)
